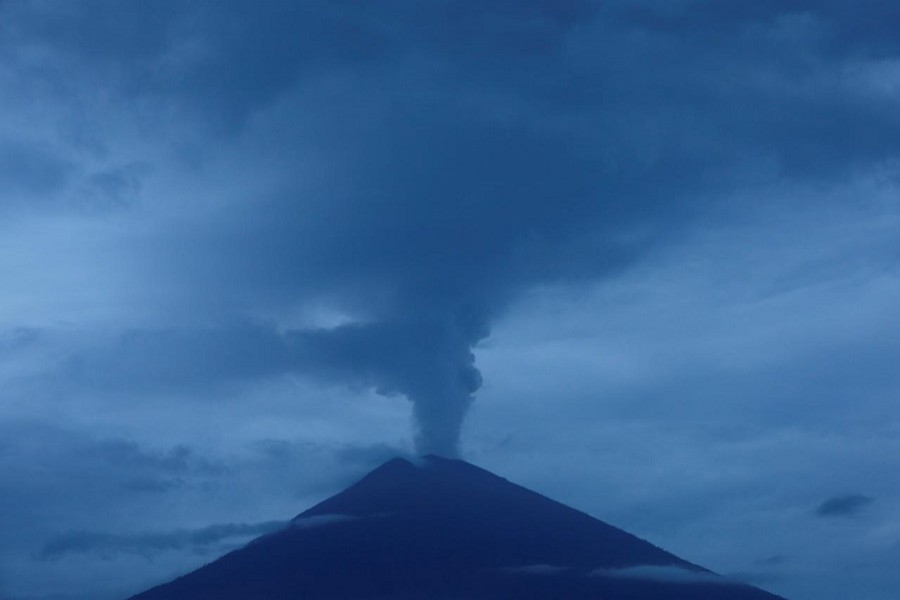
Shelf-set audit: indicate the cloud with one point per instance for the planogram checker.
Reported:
(316, 521)
(31, 172)
(429, 362)
(261, 215)
(49, 473)
(369, 456)
(665, 573)
(843, 506)
(184, 358)
(18, 339)
(148, 544)
(771, 561)
(115, 187)
(188, 58)
(419, 184)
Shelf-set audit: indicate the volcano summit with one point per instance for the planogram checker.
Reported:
(445, 529)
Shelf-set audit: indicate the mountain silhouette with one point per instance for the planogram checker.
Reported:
(441, 529)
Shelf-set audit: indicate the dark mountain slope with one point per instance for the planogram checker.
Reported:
(444, 529)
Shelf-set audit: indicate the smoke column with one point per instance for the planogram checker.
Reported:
(429, 362)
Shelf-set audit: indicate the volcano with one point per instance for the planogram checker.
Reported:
(441, 529)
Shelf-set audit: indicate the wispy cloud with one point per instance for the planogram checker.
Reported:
(843, 506)
(316, 521)
(149, 544)
(666, 573)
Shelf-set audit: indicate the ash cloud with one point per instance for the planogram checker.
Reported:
(420, 167)
(431, 364)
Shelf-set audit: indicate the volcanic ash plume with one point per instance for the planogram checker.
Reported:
(431, 363)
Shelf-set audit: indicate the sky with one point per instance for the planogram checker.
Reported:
(641, 257)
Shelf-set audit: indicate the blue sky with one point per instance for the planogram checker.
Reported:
(642, 258)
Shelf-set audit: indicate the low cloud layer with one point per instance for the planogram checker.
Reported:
(316, 521)
(149, 544)
(665, 573)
